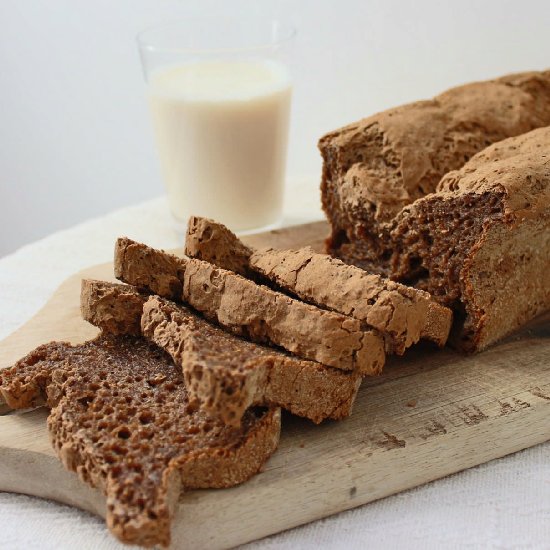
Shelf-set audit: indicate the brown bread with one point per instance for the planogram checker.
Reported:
(228, 374)
(225, 373)
(251, 310)
(402, 314)
(213, 242)
(120, 418)
(112, 307)
(376, 169)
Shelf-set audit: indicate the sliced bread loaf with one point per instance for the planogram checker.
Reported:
(121, 419)
(464, 238)
(225, 373)
(255, 311)
(402, 314)
(373, 168)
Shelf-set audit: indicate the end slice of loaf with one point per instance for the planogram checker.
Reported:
(121, 419)
(225, 373)
(255, 311)
(402, 314)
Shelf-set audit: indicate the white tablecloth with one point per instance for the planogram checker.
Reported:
(501, 504)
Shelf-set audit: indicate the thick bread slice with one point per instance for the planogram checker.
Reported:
(255, 311)
(402, 314)
(120, 418)
(225, 373)
(228, 374)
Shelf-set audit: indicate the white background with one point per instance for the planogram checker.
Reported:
(75, 139)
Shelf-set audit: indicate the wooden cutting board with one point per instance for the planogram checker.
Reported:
(432, 413)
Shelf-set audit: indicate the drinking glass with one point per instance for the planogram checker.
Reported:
(219, 92)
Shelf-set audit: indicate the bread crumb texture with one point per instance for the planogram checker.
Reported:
(121, 419)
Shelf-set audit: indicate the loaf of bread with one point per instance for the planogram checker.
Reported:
(481, 241)
(252, 310)
(121, 419)
(374, 169)
(224, 373)
(401, 314)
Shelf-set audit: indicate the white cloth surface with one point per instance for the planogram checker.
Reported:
(499, 505)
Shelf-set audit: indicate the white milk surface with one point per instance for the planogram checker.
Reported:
(221, 130)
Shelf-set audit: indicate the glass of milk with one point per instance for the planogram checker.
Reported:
(219, 92)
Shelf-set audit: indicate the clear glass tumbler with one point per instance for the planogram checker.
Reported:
(219, 92)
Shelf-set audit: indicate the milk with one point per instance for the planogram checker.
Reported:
(221, 131)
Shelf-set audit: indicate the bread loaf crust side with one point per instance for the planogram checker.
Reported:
(519, 258)
(495, 207)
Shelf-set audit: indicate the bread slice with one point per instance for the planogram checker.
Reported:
(121, 419)
(402, 314)
(228, 374)
(255, 311)
(225, 373)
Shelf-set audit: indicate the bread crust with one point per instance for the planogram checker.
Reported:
(255, 311)
(375, 167)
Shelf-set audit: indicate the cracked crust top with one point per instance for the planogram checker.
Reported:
(390, 159)
(517, 167)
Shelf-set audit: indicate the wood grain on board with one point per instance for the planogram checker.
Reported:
(432, 413)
